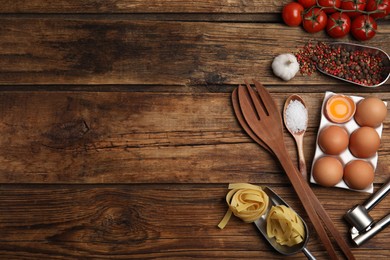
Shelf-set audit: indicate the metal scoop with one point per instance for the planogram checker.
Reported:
(385, 75)
(261, 224)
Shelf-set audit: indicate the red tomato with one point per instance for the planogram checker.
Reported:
(307, 3)
(292, 14)
(353, 5)
(329, 3)
(315, 20)
(338, 25)
(383, 6)
(363, 27)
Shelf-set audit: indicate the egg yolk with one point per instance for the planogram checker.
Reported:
(340, 109)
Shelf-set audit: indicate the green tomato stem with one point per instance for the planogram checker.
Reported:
(317, 5)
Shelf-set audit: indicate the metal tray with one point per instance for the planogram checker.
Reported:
(352, 47)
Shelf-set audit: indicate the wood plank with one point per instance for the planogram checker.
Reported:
(125, 221)
(130, 137)
(82, 51)
(138, 6)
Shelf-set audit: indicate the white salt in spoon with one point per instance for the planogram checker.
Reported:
(295, 120)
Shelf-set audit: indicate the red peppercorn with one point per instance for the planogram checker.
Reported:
(358, 66)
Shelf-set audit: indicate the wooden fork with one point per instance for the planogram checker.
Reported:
(260, 118)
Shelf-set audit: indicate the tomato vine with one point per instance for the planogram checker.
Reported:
(316, 15)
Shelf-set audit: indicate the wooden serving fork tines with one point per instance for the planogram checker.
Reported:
(259, 116)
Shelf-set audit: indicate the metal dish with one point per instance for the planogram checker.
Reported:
(385, 75)
(261, 224)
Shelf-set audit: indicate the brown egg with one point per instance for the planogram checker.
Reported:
(333, 140)
(371, 112)
(358, 174)
(327, 171)
(364, 142)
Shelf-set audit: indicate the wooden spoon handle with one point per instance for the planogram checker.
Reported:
(301, 157)
(295, 179)
(303, 190)
(329, 224)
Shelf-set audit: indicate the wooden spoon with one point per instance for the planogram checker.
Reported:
(262, 117)
(298, 135)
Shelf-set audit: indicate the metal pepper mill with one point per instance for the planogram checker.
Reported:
(363, 226)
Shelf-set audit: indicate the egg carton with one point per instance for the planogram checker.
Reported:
(346, 156)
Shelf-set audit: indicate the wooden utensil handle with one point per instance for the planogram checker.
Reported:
(329, 223)
(307, 203)
(313, 207)
(301, 157)
(325, 217)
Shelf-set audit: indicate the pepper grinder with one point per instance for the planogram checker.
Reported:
(363, 226)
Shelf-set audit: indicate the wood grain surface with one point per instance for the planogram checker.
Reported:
(118, 138)
(145, 221)
(138, 6)
(99, 51)
(62, 137)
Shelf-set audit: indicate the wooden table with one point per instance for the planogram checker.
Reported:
(118, 138)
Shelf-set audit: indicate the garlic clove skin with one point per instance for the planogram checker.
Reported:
(285, 66)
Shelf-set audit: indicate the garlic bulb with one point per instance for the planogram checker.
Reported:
(285, 66)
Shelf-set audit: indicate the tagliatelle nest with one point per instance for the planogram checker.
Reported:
(246, 201)
(285, 225)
